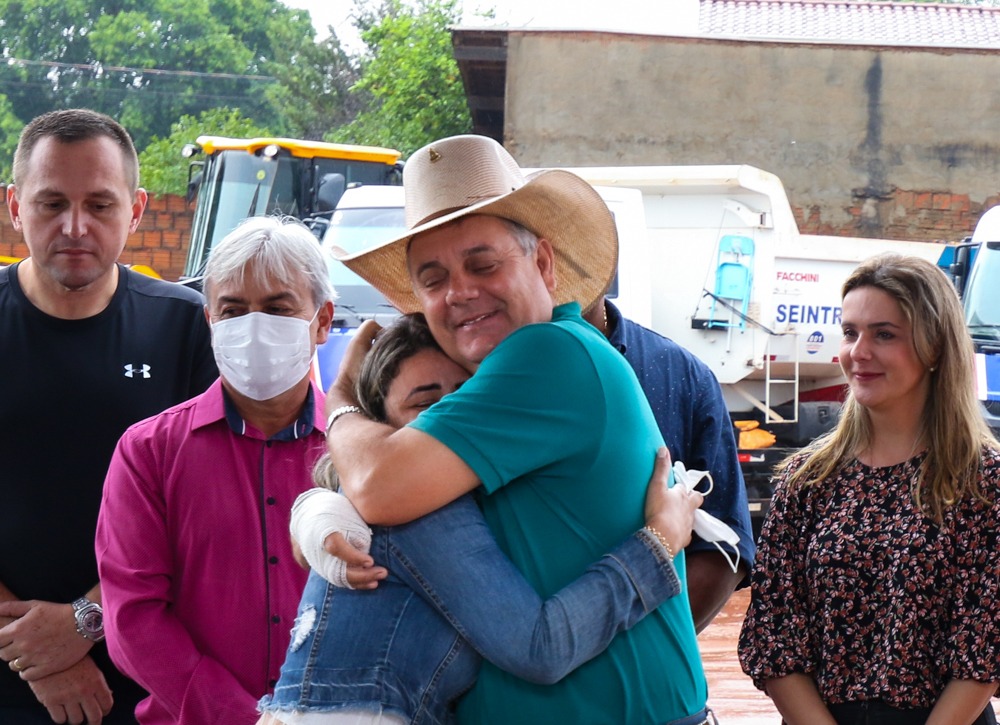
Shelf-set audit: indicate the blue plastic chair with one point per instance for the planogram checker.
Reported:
(733, 280)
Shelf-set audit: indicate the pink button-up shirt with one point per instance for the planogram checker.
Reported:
(199, 585)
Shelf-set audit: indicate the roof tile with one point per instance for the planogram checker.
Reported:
(851, 21)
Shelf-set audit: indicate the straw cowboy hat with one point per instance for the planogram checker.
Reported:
(462, 175)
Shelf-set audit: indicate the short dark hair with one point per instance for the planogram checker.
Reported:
(71, 125)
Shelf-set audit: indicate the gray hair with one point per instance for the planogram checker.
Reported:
(279, 247)
(525, 238)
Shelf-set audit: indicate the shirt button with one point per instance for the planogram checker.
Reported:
(271, 501)
(273, 560)
(272, 683)
(276, 619)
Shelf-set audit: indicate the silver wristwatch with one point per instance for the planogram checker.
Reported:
(89, 619)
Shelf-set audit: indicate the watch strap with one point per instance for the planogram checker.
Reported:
(82, 608)
(337, 412)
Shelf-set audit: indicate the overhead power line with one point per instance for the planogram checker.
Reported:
(101, 68)
(124, 92)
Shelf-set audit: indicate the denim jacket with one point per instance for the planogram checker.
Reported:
(413, 646)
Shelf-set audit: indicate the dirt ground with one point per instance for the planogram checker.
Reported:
(730, 693)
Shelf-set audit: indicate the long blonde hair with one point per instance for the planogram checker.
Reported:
(954, 427)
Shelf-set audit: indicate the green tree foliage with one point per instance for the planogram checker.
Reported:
(217, 64)
(313, 87)
(10, 131)
(410, 74)
(165, 171)
(146, 62)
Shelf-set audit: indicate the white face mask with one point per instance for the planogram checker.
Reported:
(708, 527)
(262, 355)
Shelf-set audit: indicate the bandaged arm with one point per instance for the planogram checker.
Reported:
(316, 514)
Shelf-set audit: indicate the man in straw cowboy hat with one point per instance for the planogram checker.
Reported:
(553, 425)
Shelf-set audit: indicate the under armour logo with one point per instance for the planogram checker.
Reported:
(131, 371)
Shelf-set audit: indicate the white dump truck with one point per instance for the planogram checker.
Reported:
(716, 263)
(711, 257)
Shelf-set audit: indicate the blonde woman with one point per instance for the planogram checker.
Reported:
(874, 599)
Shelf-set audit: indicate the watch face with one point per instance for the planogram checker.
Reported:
(92, 621)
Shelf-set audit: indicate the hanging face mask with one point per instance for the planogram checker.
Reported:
(708, 527)
(261, 355)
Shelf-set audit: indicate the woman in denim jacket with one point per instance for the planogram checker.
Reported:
(407, 651)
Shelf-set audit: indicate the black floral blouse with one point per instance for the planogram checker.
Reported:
(855, 587)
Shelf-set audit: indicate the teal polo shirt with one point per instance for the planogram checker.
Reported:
(558, 431)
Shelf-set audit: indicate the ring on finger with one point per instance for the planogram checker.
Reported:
(15, 664)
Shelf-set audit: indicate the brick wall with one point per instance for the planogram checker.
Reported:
(160, 242)
(922, 216)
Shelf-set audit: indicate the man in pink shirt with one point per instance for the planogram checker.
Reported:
(200, 585)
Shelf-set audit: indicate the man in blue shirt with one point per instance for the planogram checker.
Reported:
(691, 413)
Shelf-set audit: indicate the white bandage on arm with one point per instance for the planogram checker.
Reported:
(319, 512)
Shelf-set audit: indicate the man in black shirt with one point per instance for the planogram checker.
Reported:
(89, 348)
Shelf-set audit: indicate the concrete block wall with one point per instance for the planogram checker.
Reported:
(880, 142)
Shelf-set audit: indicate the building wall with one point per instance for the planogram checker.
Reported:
(160, 242)
(872, 142)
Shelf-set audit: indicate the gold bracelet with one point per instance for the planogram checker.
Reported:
(663, 542)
